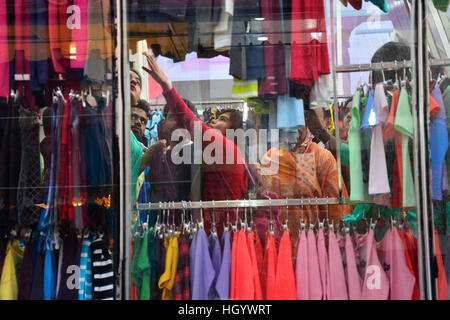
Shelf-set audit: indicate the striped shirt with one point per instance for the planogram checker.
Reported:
(102, 271)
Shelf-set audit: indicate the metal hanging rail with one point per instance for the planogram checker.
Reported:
(388, 65)
(247, 203)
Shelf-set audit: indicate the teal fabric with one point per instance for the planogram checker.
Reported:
(382, 4)
(136, 159)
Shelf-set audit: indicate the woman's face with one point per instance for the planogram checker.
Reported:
(222, 123)
(348, 116)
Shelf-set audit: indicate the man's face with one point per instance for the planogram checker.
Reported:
(138, 122)
(167, 126)
(135, 88)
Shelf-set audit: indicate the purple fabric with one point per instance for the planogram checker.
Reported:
(214, 251)
(192, 258)
(223, 278)
(203, 273)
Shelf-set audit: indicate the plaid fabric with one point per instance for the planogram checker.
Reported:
(181, 287)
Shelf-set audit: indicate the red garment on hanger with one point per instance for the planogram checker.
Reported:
(434, 106)
(254, 262)
(270, 264)
(389, 132)
(244, 286)
(442, 284)
(357, 4)
(411, 261)
(59, 34)
(285, 280)
(259, 255)
(65, 173)
(309, 48)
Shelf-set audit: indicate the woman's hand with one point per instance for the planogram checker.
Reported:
(156, 73)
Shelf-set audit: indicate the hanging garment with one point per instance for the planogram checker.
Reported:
(247, 53)
(4, 51)
(441, 4)
(67, 284)
(401, 281)
(285, 279)
(270, 264)
(378, 177)
(438, 143)
(181, 288)
(136, 159)
(152, 255)
(244, 288)
(78, 46)
(290, 113)
(353, 277)
(254, 265)
(404, 123)
(192, 259)
(338, 287)
(215, 252)
(376, 283)
(442, 284)
(315, 281)
(309, 48)
(10, 168)
(357, 4)
(102, 271)
(358, 189)
(301, 267)
(390, 132)
(274, 82)
(321, 92)
(85, 290)
(168, 277)
(244, 89)
(25, 279)
(411, 254)
(223, 29)
(59, 35)
(382, 4)
(202, 268)
(29, 186)
(259, 259)
(323, 263)
(77, 177)
(223, 279)
(140, 268)
(9, 278)
(49, 274)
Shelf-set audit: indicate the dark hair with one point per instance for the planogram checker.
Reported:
(390, 52)
(235, 117)
(142, 104)
(138, 74)
(46, 121)
(190, 105)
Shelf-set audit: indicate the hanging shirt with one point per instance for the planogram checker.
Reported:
(223, 279)
(4, 51)
(68, 269)
(442, 284)
(314, 276)
(9, 279)
(382, 4)
(215, 252)
(309, 48)
(438, 143)
(378, 177)
(376, 283)
(285, 279)
(244, 89)
(401, 281)
(411, 255)
(338, 287)
(181, 288)
(140, 268)
(301, 268)
(202, 269)
(244, 288)
(353, 278)
(389, 132)
(223, 29)
(85, 290)
(404, 123)
(270, 263)
(49, 275)
(290, 113)
(254, 264)
(168, 277)
(58, 35)
(102, 271)
(323, 263)
(358, 189)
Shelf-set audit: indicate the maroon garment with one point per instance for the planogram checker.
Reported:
(274, 82)
(309, 49)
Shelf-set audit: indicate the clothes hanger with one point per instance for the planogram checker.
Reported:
(302, 221)
(234, 227)
(285, 225)
(244, 223)
(250, 226)
(271, 232)
(226, 225)
(213, 223)
(200, 224)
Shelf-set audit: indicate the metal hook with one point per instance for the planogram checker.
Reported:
(244, 224)
(250, 226)
(382, 72)
(225, 227)
(271, 232)
(200, 224)
(285, 226)
(302, 220)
